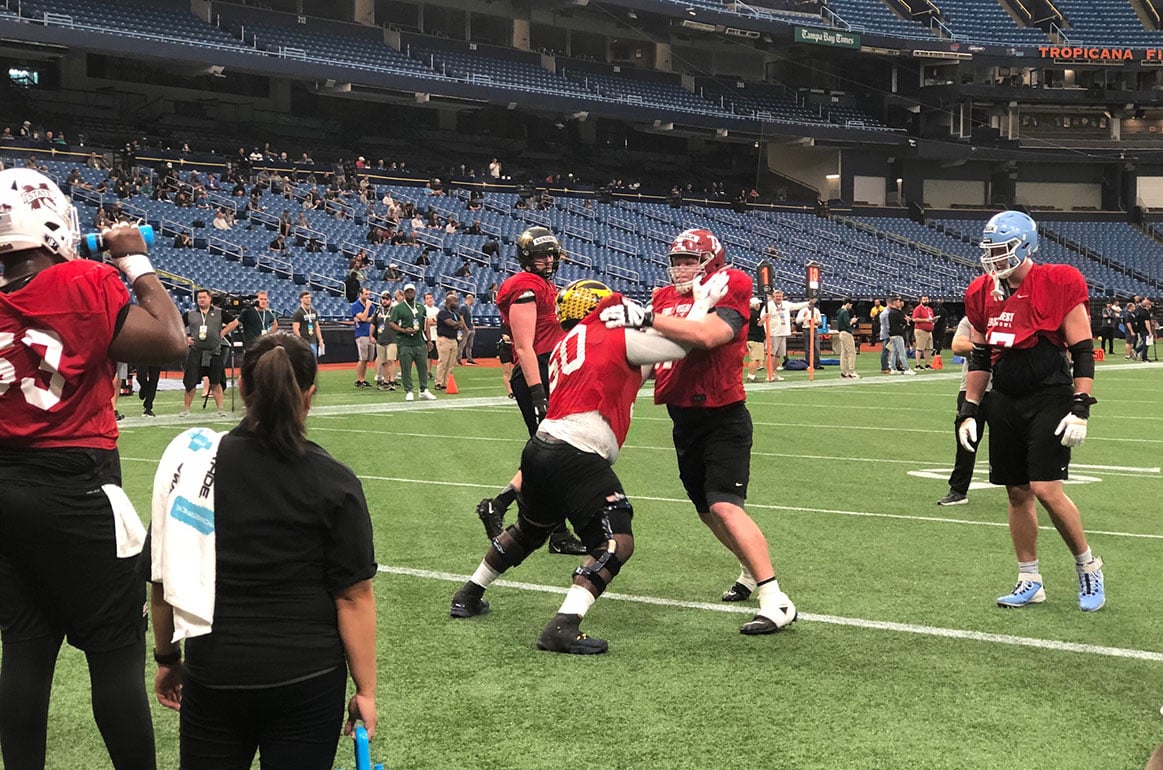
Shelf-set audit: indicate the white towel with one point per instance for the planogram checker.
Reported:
(182, 527)
(127, 524)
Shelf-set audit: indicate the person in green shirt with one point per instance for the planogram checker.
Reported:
(408, 319)
(846, 343)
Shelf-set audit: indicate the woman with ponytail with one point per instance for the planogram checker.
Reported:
(285, 538)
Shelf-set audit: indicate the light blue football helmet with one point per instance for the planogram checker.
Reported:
(1008, 240)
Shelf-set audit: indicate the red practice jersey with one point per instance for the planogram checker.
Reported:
(588, 372)
(56, 378)
(525, 284)
(705, 377)
(1035, 309)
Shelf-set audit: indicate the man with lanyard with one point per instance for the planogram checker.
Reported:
(206, 327)
(386, 349)
(258, 319)
(1025, 318)
(408, 320)
(777, 316)
(527, 301)
(365, 348)
(305, 323)
(846, 343)
(464, 353)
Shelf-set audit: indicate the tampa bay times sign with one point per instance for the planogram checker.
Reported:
(829, 37)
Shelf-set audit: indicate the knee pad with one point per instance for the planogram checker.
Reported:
(523, 543)
(614, 520)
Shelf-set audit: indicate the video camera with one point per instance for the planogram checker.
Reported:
(233, 301)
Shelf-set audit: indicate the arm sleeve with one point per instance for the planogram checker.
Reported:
(651, 348)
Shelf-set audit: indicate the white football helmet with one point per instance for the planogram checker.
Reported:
(35, 213)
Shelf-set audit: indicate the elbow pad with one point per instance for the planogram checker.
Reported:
(980, 358)
(1082, 354)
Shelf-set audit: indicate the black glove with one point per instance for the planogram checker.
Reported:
(540, 401)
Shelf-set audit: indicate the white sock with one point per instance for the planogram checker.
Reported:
(1084, 558)
(745, 578)
(577, 602)
(484, 575)
(1028, 567)
(770, 597)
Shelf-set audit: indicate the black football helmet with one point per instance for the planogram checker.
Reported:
(537, 243)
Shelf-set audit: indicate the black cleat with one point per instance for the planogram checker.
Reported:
(761, 624)
(562, 635)
(492, 517)
(467, 605)
(737, 593)
(566, 543)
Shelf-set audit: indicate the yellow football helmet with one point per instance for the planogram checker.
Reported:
(579, 299)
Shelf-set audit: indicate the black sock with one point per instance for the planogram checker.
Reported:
(121, 707)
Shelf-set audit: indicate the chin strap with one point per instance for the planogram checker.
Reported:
(1000, 292)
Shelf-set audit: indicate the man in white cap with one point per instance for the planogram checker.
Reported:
(407, 319)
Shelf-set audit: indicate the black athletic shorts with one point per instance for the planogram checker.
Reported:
(194, 371)
(521, 392)
(59, 571)
(505, 352)
(559, 482)
(714, 453)
(1022, 444)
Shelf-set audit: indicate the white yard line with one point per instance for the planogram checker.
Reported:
(836, 620)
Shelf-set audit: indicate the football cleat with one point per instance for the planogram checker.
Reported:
(1091, 594)
(737, 593)
(566, 543)
(765, 624)
(1027, 591)
(563, 635)
(466, 604)
(492, 517)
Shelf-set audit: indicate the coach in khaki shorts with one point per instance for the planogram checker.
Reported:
(362, 311)
(386, 351)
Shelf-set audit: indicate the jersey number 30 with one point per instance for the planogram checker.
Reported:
(42, 398)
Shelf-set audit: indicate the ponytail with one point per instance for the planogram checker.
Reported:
(276, 371)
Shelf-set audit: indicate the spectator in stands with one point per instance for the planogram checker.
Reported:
(923, 323)
(220, 221)
(7, 133)
(451, 226)
(495, 170)
(448, 326)
(360, 263)
(305, 323)
(206, 327)
(392, 272)
(490, 296)
(491, 248)
(1106, 329)
(474, 204)
(278, 244)
(474, 228)
(314, 245)
(422, 258)
(408, 321)
(469, 334)
(183, 240)
(417, 222)
(25, 130)
(464, 271)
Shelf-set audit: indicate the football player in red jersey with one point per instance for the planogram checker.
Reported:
(526, 301)
(69, 537)
(594, 377)
(1026, 318)
(704, 396)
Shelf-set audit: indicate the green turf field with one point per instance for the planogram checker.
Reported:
(900, 658)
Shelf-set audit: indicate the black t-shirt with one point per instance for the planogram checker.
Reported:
(897, 322)
(755, 330)
(289, 534)
(1139, 319)
(254, 322)
(442, 328)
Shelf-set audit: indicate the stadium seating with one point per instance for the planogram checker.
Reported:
(874, 16)
(985, 21)
(129, 19)
(348, 51)
(1106, 22)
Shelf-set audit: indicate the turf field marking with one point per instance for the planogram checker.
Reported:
(835, 620)
(750, 505)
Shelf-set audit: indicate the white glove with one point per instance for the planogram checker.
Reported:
(629, 314)
(967, 433)
(1072, 429)
(708, 293)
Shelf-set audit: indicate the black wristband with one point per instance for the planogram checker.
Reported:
(169, 658)
(1080, 405)
(967, 410)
